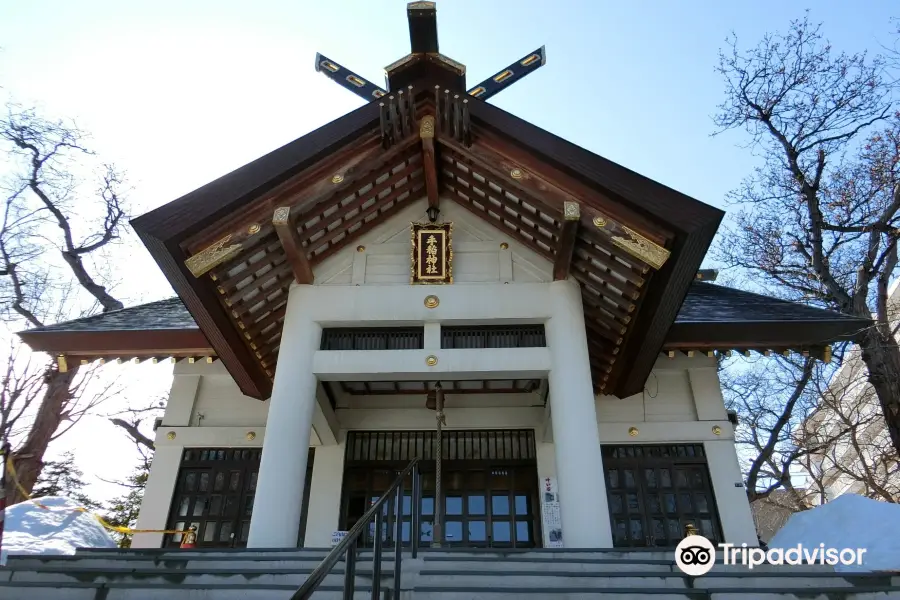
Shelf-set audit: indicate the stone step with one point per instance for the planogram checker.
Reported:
(95, 591)
(87, 591)
(579, 579)
(458, 593)
(238, 562)
(447, 578)
(574, 564)
(152, 578)
(235, 564)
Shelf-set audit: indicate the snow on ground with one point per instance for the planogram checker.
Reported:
(33, 530)
(848, 521)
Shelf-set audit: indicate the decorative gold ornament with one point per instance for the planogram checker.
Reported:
(504, 246)
(431, 301)
(281, 216)
(431, 360)
(638, 246)
(690, 530)
(360, 248)
(571, 211)
(516, 173)
(426, 129)
(251, 435)
(212, 256)
(717, 430)
(633, 431)
(600, 221)
(254, 228)
(170, 435)
(337, 178)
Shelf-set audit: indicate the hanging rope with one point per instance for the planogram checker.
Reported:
(11, 470)
(438, 529)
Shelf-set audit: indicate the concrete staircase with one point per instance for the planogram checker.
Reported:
(434, 575)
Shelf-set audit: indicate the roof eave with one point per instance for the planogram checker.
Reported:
(759, 334)
(164, 229)
(116, 342)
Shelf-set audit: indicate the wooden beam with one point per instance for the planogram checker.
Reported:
(310, 184)
(426, 133)
(565, 245)
(645, 245)
(293, 248)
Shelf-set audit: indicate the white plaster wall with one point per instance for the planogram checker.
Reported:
(477, 255)
(324, 510)
(731, 497)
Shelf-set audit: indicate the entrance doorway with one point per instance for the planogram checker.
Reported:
(654, 491)
(489, 486)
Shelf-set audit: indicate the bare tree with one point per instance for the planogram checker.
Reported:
(50, 235)
(852, 450)
(819, 219)
(773, 398)
(134, 421)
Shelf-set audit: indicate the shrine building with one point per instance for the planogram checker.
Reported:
(428, 241)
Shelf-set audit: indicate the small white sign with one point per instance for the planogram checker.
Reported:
(550, 517)
(337, 537)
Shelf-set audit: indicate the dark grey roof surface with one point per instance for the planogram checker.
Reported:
(705, 303)
(709, 303)
(162, 314)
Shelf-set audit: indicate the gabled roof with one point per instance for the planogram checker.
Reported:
(714, 315)
(707, 311)
(339, 181)
(153, 316)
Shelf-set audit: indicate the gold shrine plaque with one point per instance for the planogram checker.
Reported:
(432, 253)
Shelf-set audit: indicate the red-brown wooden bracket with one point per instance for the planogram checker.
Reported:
(426, 132)
(566, 244)
(293, 248)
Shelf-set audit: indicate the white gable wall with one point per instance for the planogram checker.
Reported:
(477, 255)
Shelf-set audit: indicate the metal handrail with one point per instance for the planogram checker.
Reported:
(349, 546)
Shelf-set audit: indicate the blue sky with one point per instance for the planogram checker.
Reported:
(179, 93)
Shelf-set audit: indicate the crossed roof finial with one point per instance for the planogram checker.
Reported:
(423, 41)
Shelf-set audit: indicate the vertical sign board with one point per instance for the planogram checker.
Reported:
(431, 253)
(550, 519)
(337, 537)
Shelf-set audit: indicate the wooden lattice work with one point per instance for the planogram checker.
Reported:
(449, 157)
(254, 285)
(611, 281)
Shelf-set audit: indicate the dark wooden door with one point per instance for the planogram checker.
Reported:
(654, 491)
(489, 501)
(215, 493)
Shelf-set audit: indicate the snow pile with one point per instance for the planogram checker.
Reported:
(848, 521)
(33, 530)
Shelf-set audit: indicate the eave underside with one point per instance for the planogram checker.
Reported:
(713, 321)
(248, 263)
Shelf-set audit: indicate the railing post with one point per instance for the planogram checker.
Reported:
(398, 541)
(376, 556)
(414, 526)
(350, 573)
